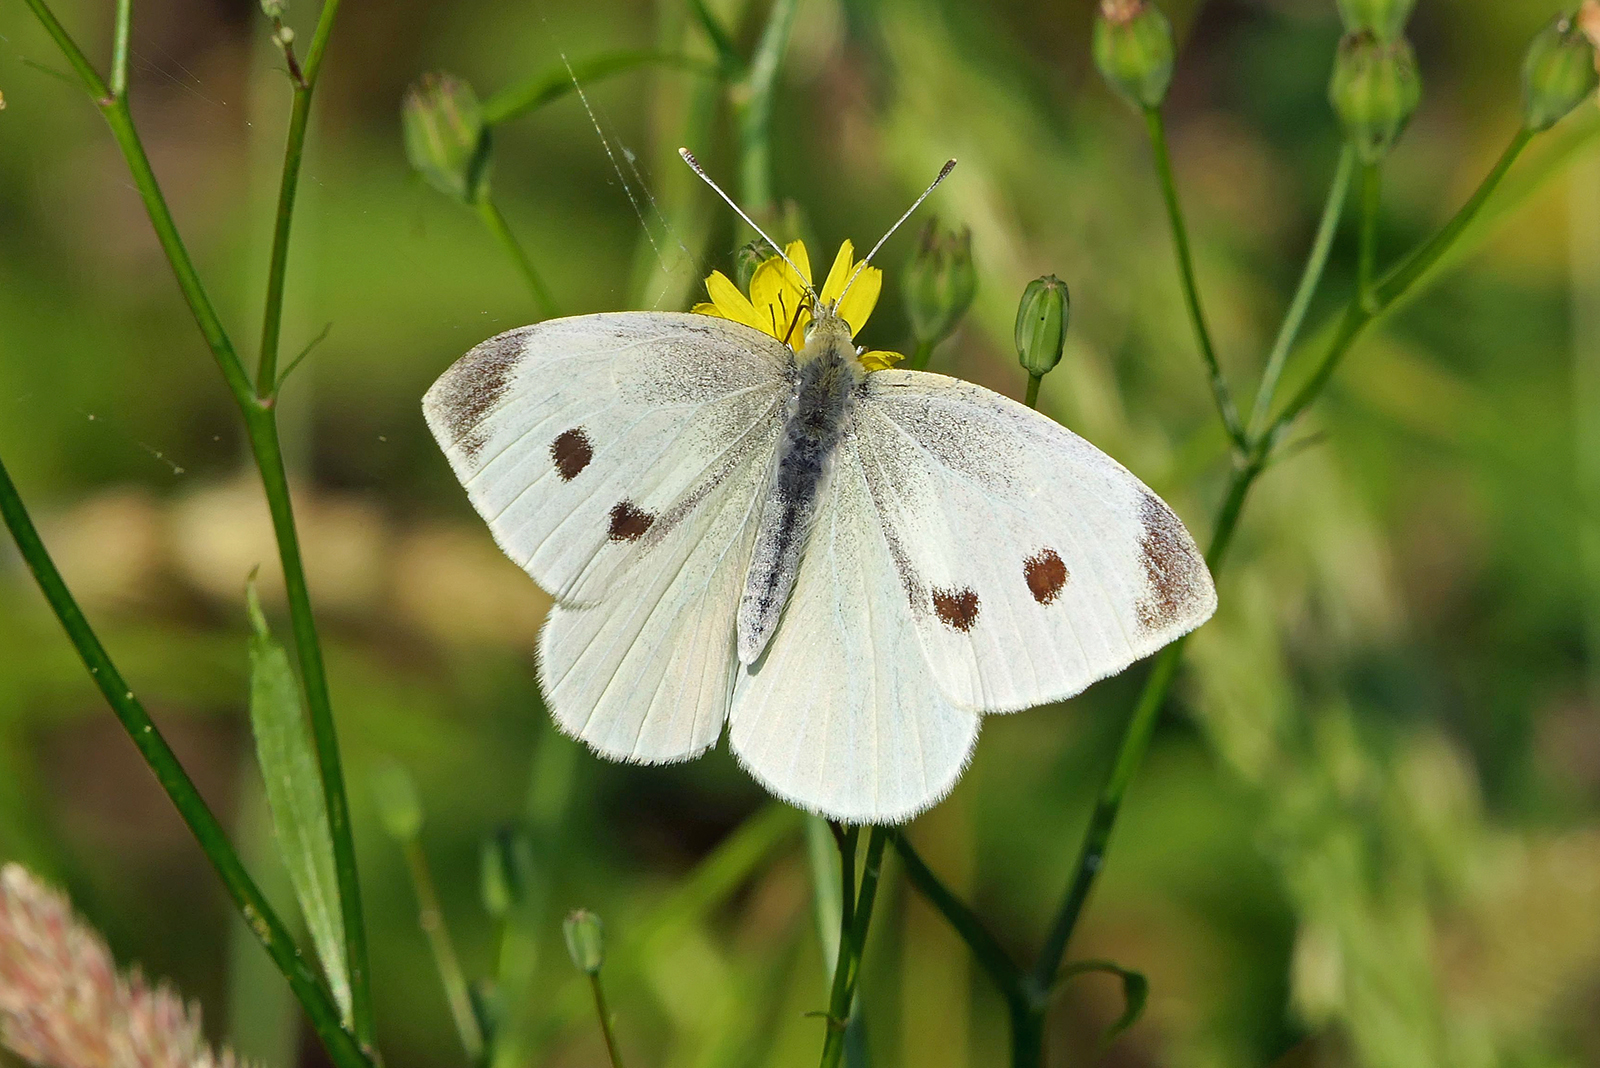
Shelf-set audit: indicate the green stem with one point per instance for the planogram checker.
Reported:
(920, 355)
(753, 105)
(852, 941)
(261, 426)
(496, 222)
(1316, 263)
(1220, 393)
(119, 48)
(1403, 277)
(277, 268)
(1371, 206)
(605, 1020)
(1386, 293)
(80, 63)
(986, 949)
(120, 119)
(431, 919)
(1032, 398)
(303, 979)
(294, 151)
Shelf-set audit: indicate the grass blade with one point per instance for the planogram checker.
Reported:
(294, 797)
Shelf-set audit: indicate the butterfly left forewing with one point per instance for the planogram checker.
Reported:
(1031, 563)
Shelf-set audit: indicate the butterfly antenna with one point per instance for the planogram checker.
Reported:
(694, 165)
(944, 172)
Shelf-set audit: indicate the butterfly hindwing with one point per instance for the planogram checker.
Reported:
(646, 673)
(841, 715)
(581, 440)
(1032, 564)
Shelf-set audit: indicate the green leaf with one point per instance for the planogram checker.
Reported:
(1135, 992)
(294, 796)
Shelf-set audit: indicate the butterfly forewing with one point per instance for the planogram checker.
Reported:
(1030, 563)
(582, 441)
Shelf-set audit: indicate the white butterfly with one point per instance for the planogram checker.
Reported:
(848, 568)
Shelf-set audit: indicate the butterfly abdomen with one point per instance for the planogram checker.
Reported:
(812, 428)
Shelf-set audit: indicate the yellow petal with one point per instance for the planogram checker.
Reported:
(777, 295)
(838, 273)
(704, 308)
(856, 307)
(796, 251)
(730, 302)
(880, 359)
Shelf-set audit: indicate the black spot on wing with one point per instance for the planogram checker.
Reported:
(571, 453)
(629, 522)
(472, 389)
(1173, 569)
(957, 609)
(1045, 574)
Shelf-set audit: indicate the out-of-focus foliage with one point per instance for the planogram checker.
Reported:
(1369, 834)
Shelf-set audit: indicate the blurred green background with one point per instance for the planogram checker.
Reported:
(1369, 830)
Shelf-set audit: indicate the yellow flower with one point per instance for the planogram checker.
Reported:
(779, 303)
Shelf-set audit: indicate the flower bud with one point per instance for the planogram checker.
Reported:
(446, 140)
(1384, 19)
(274, 9)
(1375, 90)
(1558, 73)
(507, 871)
(750, 255)
(585, 941)
(940, 283)
(1042, 324)
(1134, 50)
(399, 808)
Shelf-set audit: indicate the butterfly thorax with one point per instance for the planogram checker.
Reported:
(828, 373)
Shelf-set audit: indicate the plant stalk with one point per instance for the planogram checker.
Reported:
(307, 984)
(261, 426)
(1310, 279)
(1220, 393)
(489, 212)
(852, 942)
(431, 919)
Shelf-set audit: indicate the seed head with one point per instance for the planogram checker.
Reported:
(1374, 91)
(63, 1004)
(446, 139)
(940, 283)
(1558, 73)
(1041, 331)
(1134, 50)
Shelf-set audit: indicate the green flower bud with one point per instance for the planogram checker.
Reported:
(1042, 324)
(1558, 73)
(1384, 19)
(940, 283)
(274, 9)
(507, 871)
(585, 941)
(399, 808)
(446, 140)
(1134, 50)
(1375, 90)
(750, 255)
